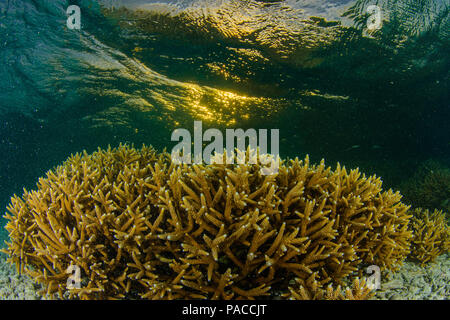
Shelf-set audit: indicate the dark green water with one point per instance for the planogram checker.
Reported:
(133, 73)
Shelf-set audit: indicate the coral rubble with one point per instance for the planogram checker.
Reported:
(139, 226)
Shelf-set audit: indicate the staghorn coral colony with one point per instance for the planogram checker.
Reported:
(429, 187)
(431, 235)
(139, 226)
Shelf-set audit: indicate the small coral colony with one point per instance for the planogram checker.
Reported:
(138, 226)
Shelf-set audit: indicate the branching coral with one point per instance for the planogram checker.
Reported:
(431, 235)
(429, 188)
(139, 226)
(310, 290)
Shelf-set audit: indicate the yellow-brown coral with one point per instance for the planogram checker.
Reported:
(429, 187)
(310, 290)
(431, 235)
(139, 226)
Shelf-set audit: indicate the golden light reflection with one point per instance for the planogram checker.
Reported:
(224, 96)
(216, 106)
(254, 35)
(174, 102)
(147, 94)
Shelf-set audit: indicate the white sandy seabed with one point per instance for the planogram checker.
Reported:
(411, 282)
